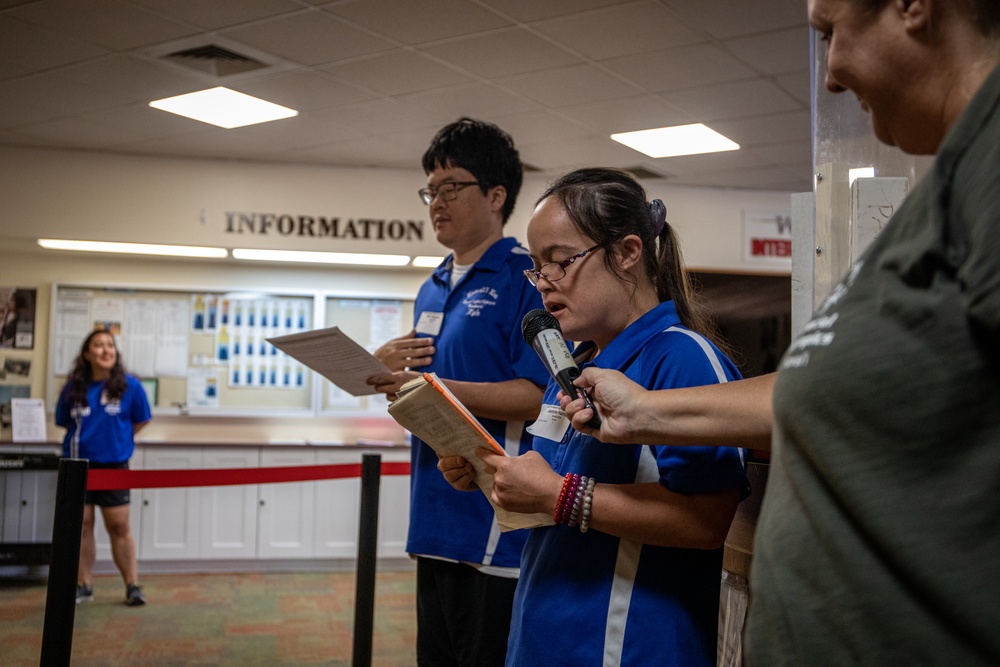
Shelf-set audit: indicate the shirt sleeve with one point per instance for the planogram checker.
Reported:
(139, 409)
(690, 361)
(978, 212)
(62, 408)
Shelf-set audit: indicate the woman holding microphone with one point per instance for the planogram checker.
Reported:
(630, 572)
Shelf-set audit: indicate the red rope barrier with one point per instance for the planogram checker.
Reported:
(101, 480)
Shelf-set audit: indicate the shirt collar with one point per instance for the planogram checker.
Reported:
(630, 342)
(493, 260)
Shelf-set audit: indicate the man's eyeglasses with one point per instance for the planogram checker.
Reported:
(447, 191)
(554, 271)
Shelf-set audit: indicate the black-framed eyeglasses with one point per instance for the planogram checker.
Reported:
(554, 271)
(447, 191)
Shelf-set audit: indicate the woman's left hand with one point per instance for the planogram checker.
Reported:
(523, 483)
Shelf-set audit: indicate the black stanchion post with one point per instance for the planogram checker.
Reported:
(60, 596)
(364, 594)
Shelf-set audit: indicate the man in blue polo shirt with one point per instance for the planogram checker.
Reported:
(467, 330)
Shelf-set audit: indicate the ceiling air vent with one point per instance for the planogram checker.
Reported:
(215, 60)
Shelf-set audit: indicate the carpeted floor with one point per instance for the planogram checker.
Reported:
(217, 619)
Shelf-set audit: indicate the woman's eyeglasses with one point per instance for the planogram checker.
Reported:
(554, 271)
(447, 191)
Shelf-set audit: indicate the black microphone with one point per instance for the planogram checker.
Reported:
(542, 332)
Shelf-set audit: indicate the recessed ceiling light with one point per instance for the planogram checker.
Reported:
(224, 108)
(135, 248)
(678, 140)
(320, 257)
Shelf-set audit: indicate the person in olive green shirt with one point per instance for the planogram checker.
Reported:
(878, 537)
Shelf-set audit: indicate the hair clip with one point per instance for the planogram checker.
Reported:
(658, 214)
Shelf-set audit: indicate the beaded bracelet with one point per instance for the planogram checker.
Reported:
(577, 501)
(588, 498)
(562, 497)
(571, 494)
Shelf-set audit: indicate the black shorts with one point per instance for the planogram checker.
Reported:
(111, 498)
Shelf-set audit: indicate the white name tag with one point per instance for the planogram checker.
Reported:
(430, 323)
(552, 423)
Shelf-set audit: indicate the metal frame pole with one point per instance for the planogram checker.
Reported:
(60, 595)
(364, 597)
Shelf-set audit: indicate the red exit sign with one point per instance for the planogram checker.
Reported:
(771, 247)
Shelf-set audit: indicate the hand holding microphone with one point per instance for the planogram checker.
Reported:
(542, 332)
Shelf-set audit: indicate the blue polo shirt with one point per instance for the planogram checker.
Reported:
(479, 341)
(102, 430)
(594, 599)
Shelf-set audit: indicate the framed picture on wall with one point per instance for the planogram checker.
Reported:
(17, 318)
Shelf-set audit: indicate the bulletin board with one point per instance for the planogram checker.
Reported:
(369, 322)
(204, 352)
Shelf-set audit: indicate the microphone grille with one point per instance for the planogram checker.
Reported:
(535, 321)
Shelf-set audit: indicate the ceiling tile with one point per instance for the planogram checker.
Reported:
(384, 116)
(375, 79)
(684, 67)
(540, 126)
(796, 84)
(620, 30)
(478, 100)
(625, 114)
(302, 90)
(774, 129)
(533, 10)
(411, 22)
(219, 13)
(593, 151)
(567, 86)
(397, 72)
(35, 49)
(318, 38)
(134, 77)
(104, 22)
(773, 52)
(755, 97)
(730, 18)
(501, 53)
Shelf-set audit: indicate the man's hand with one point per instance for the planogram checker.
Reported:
(390, 383)
(458, 472)
(616, 399)
(406, 352)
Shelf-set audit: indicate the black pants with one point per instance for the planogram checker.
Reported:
(463, 616)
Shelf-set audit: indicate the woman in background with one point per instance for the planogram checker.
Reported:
(102, 407)
(630, 572)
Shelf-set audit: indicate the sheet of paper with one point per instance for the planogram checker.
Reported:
(27, 419)
(334, 355)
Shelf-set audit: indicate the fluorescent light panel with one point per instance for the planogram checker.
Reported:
(135, 248)
(224, 108)
(678, 140)
(427, 262)
(355, 258)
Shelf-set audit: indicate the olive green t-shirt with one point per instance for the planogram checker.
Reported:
(879, 537)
